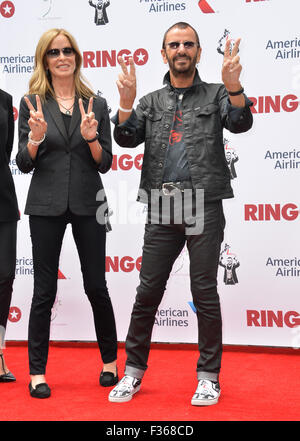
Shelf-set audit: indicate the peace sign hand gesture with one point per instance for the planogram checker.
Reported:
(89, 124)
(231, 68)
(127, 83)
(36, 122)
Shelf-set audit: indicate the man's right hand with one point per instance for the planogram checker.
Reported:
(127, 87)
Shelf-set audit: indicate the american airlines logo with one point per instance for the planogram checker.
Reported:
(205, 7)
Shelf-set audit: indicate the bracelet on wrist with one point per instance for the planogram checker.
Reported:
(36, 143)
(238, 92)
(125, 110)
(93, 139)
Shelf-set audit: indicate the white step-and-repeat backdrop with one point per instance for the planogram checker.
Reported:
(261, 306)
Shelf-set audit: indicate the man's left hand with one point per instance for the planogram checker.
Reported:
(231, 68)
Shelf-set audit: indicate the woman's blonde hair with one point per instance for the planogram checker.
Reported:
(40, 82)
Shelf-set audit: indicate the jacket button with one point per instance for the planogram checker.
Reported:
(170, 108)
(160, 164)
(167, 126)
(164, 146)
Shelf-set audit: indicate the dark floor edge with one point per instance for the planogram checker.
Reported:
(171, 346)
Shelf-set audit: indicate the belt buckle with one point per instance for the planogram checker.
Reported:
(169, 188)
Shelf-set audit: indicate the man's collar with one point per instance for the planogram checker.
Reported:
(196, 81)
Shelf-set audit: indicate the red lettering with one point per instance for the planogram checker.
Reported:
(295, 322)
(16, 113)
(275, 104)
(139, 263)
(252, 318)
(98, 58)
(125, 264)
(275, 318)
(275, 212)
(266, 212)
(264, 104)
(263, 316)
(125, 52)
(292, 214)
(88, 59)
(261, 104)
(138, 161)
(250, 211)
(114, 163)
(126, 162)
(111, 264)
(288, 104)
(269, 318)
(109, 58)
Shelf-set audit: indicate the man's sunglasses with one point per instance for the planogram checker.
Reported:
(186, 44)
(54, 53)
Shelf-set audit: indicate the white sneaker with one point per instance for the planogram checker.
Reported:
(125, 389)
(207, 393)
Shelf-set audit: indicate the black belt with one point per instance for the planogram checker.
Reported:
(170, 188)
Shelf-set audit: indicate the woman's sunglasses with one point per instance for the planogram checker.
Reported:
(54, 53)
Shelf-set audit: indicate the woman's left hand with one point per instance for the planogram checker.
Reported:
(89, 124)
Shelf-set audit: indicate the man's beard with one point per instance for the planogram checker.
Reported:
(185, 71)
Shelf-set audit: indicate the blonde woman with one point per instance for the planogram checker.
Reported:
(65, 138)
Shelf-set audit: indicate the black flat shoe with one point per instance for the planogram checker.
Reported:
(108, 379)
(8, 376)
(41, 390)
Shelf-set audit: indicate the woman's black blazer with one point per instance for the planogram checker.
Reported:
(65, 174)
(8, 200)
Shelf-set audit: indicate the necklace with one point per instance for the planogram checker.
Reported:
(65, 99)
(67, 110)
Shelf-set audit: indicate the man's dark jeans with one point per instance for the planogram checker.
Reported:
(162, 245)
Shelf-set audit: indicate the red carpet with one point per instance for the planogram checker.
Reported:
(256, 386)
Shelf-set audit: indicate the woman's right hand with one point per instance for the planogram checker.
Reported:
(36, 122)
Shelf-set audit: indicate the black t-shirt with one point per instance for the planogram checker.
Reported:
(176, 166)
(67, 120)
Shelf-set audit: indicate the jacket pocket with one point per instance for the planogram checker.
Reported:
(91, 185)
(41, 188)
(207, 119)
(153, 122)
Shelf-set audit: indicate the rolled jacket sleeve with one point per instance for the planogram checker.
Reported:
(235, 119)
(131, 132)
